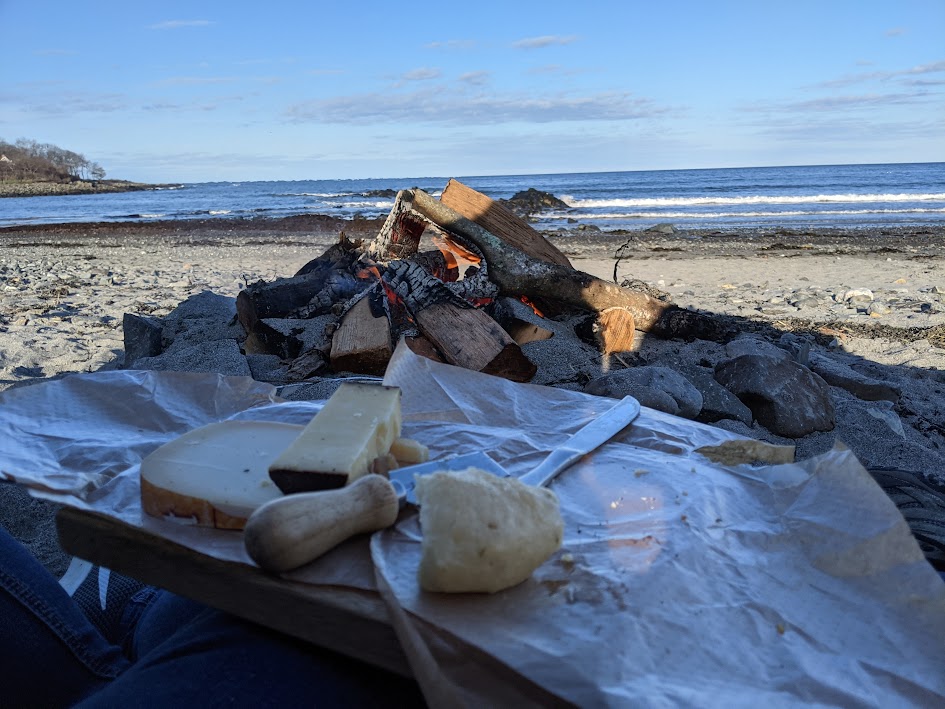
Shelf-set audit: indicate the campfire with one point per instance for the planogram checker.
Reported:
(439, 274)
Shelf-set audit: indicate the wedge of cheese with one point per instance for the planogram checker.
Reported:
(217, 475)
(358, 423)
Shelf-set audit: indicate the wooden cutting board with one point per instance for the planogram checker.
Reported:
(345, 620)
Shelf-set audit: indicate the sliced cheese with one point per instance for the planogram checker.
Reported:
(357, 424)
(216, 475)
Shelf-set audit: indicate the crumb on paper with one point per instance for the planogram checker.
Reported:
(640, 472)
(781, 628)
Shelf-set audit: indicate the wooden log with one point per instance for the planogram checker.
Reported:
(362, 343)
(611, 330)
(277, 298)
(469, 338)
(516, 273)
(422, 346)
(501, 221)
(399, 237)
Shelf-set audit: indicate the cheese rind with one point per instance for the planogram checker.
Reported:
(357, 424)
(216, 475)
(483, 533)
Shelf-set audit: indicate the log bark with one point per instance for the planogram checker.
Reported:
(516, 273)
(469, 338)
(399, 237)
(501, 221)
(362, 343)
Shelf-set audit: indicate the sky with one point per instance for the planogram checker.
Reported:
(206, 91)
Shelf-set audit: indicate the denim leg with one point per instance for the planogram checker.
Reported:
(50, 654)
(186, 654)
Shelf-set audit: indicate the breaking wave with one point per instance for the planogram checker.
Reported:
(754, 199)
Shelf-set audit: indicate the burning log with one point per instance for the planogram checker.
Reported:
(286, 295)
(516, 273)
(498, 220)
(467, 337)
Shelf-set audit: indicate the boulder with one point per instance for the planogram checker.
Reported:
(142, 337)
(785, 397)
(532, 201)
(717, 402)
(658, 388)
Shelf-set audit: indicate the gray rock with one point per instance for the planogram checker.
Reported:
(659, 388)
(784, 396)
(202, 317)
(219, 356)
(142, 337)
(863, 387)
(662, 228)
(717, 402)
(755, 346)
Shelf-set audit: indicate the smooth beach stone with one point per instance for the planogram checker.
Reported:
(659, 388)
(861, 386)
(785, 397)
(717, 402)
(755, 346)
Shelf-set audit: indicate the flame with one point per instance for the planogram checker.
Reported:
(456, 255)
(368, 272)
(531, 305)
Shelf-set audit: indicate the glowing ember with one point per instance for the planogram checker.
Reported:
(531, 305)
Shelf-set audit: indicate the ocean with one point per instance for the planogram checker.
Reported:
(823, 196)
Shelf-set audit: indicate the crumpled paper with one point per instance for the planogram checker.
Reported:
(680, 581)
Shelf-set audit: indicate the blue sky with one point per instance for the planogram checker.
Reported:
(203, 91)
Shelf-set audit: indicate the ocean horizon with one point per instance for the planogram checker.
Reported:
(792, 197)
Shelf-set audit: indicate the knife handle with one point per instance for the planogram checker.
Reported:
(293, 530)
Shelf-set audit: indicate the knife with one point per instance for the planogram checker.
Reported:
(293, 530)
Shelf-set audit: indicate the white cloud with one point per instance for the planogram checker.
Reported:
(864, 77)
(438, 105)
(421, 74)
(475, 78)
(895, 32)
(549, 40)
(451, 44)
(194, 80)
(177, 24)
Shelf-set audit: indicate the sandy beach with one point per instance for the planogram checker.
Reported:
(875, 300)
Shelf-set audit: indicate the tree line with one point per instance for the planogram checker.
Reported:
(32, 161)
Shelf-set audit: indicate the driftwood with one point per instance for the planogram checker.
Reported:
(498, 220)
(516, 274)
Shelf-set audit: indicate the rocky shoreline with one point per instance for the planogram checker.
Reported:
(49, 189)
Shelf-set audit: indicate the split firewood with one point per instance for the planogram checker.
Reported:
(469, 338)
(501, 221)
(524, 332)
(362, 343)
(516, 273)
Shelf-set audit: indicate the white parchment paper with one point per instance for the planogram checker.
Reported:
(680, 581)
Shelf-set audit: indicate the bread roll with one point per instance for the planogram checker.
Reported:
(483, 533)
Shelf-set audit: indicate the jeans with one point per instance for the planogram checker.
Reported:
(170, 652)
